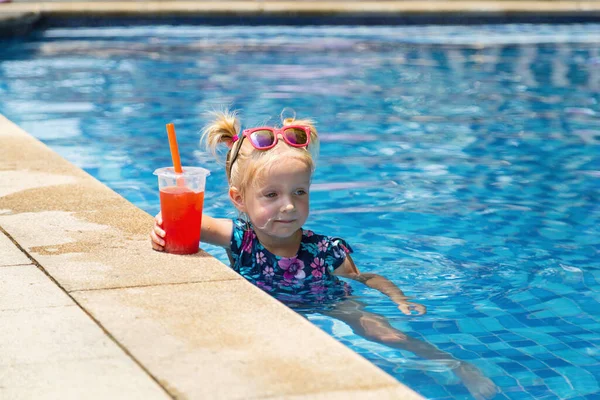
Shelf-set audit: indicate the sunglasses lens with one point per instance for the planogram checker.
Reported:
(296, 136)
(262, 138)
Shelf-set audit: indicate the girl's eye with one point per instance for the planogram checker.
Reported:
(300, 192)
(271, 195)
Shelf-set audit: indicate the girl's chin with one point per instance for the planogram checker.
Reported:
(283, 230)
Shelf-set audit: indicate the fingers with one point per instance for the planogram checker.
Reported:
(408, 308)
(157, 242)
(158, 231)
(157, 234)
(420, 309)
(405, 308)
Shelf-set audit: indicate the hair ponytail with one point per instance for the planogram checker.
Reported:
(222, 130)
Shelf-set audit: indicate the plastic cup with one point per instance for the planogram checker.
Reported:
(181, 202)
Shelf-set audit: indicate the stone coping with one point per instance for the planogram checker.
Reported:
(307, 7)
(20, 17)
(91, 311)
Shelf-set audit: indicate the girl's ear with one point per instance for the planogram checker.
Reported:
(237, 199)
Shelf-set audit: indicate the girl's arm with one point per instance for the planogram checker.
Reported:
(216, 231)
(348, 270)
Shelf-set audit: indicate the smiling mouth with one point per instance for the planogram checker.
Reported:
(285, 222)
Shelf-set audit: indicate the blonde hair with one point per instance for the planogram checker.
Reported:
(250, 162)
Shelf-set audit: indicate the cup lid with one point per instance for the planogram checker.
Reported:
(169, 172)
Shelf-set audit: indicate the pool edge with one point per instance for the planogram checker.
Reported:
(305, 8)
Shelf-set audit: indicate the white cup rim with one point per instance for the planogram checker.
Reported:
(169, 172)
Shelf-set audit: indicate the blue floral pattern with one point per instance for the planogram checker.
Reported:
(306, 277)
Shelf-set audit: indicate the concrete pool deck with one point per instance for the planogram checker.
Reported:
(88, 310)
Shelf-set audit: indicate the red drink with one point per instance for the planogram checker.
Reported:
(181, 210)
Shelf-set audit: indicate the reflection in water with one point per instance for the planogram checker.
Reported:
(461, 162)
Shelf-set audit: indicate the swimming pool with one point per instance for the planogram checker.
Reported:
(461, 162)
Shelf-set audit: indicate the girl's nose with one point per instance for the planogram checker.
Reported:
(289, 206)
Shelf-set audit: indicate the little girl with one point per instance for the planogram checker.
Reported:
(269, 172)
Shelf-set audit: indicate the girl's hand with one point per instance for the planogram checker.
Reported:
(157, 234)
(407, 307)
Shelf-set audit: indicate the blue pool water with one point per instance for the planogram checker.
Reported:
(461, 162)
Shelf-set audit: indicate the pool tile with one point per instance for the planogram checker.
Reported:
(531, 322)
(521, 358)
(421, 325)
(489, 339)
(521, 296)
(491, 354)
(538, 337)
(563, 307)
(448, 327)
(519, 395)
(575, 357)
(510, 337)
(523, 343)
(539, 391)
(526, 378)
(574, 329)
(546, 356)
(534, 364)
(512, 367)
(465, 339)
(465, 354)
(434, 391)
(583, 381)
(491, 324)
(546, 373)
(438, 339)
(559, 386)
(559, 288)
(544, 314)
(476, 348)
(458, 391)
(557, 347)
(542, 293)
(546, 328)
(554, 322)
(532, 302)
(556, 363)
(582, 344)
(534, 350)
(510, 322)
(499, 346)
(510, 352)
(505, 381)
(470, 326)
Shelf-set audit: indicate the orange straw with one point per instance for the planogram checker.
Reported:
(174, 148)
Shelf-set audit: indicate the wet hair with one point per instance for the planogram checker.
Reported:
(251, 163)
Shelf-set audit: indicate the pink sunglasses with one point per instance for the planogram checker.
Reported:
(265, 138)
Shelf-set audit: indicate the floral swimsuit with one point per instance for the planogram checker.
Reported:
(305, 278)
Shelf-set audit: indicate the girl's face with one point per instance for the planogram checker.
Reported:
(278, 205)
